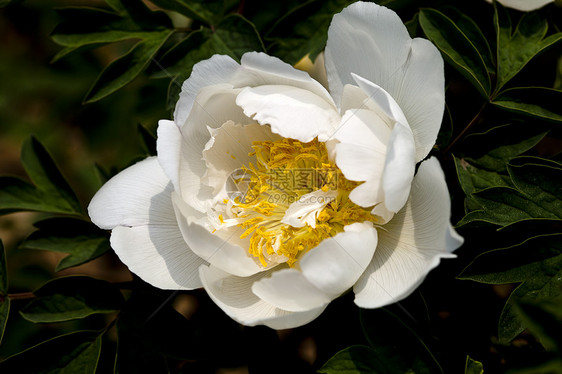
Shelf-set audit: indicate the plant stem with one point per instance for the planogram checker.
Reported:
(472, 122)
(18, 296)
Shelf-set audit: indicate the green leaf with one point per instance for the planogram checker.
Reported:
(3, 271)
(140, 14)
(209, 12)
(544, 319)
(357, 359)
(537, 182)
(504, 206)
(537, 193)
(398, 347)
(487, 155)
(475, 35)
(49, 193)
(516, 49)
(84, 26)
(457, 48)
(536, 102)
(473, 367)
(304, 30)
(493, 149)
(77, 352)
(234, 36)
(515, 263)
(69, 298)
(4, 313)
(537, 263)
(128, 67)
(82, 240)
(4, 300)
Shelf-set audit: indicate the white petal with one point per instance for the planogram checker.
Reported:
(368, 40)
(218, 251)
(136, 196)
(228, 150)
(292, 112)
(364, 128)
(136, 204)
(382, 99)
(412, 243)
(399, 167)
(362, 151)
(218, 69)
(305, 210)
(367, 194)
(288, 289)
(524, 5)
(169, 148)
(360, 163)
(256, 69)
(158, 255)
(235, 297)
(338, 262)
(421, 94)
(381, 211)
(215, 106)
(411, 71)
(261, 69)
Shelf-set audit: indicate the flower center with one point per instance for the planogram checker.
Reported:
(296, 197)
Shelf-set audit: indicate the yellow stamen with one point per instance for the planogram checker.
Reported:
(284, 171)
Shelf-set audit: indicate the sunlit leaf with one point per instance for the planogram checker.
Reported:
(82, 240)
(516, 48)
(77, 352)
(357, 359)
(128, 67)
(457, 48)
(538, 102)
(473, 366)
(49, 193)
(68, 298)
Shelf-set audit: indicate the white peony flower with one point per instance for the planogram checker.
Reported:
(277, 196)
(523, 5)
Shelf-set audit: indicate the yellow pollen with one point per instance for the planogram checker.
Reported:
(285, 170)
